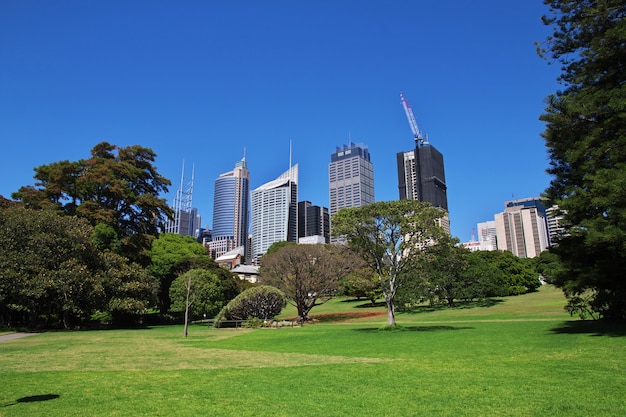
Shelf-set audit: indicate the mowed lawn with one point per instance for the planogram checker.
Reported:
(522, 356)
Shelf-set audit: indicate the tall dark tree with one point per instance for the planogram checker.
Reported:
(586, 138)
(118, 189)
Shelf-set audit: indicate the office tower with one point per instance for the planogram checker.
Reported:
(421, 175)
(230, 210)
(313, 221)
(275, 212)
(522, 227)
(487, 235)
(554, 217)
(186, 220)
(350, 177)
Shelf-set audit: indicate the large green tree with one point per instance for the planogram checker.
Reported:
(586, 138)
(390, 236)
(197, 293)
(171, 255)
(50, 268)
(117, 186)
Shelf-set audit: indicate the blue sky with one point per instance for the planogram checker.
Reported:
(200, 81)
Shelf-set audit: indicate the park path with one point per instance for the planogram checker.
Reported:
(13, 336)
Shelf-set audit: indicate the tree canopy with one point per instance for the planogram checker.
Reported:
(50, 268)
(586, 139)
(308, 274)
(390, 236)
(119, 189)
(172, 254)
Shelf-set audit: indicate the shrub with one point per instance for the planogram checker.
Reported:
(262, 302)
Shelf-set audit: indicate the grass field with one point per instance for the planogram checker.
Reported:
(522, 356)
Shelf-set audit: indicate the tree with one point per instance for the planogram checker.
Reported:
(119, 190)
(586, 139)
(443, 266)
(197, 293)
(171, 255)
(390, 236)
(308, 274)
(49, 266)
(362, 283)
(262, 302)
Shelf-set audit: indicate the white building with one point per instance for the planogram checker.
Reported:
(275, 212)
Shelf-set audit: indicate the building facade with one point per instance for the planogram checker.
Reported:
(522, 228)
(487, 235)
(350, 178)
(275, 212)
(421, 176)
(313, 221)
(231, 201)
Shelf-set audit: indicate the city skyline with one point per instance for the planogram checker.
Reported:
(202, 81)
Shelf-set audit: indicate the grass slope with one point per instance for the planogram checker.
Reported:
(520, 357)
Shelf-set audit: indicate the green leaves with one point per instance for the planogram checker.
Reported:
(586, 138)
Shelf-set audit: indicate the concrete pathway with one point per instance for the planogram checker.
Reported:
(13, 336)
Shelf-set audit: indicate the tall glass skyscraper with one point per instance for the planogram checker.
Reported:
(350, 177)
(231, 209)
(275, 212)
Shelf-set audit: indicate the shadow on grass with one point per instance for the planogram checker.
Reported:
(458, 305)
(411, 329)
(366, 303)
(33, 398)
(591, 327)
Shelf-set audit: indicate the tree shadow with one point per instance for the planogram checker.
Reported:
(412, 328)
(33, 398)
(458, 305)
(591, 327)
(365, 303)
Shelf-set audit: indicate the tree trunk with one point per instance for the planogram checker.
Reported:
(187, 306)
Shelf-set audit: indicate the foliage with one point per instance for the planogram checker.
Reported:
(308, 274)
(586, 138)
(50, 267)
(548, 265)
(262, 302)
(390, 237)
(172, 254)
(362, 283)
(205, 298)
(442, 272)
(276, 246)
(120, 190)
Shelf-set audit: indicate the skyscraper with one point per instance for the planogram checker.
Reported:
(350, 177)
(275, 212)
(313, 221)
(522, 227)
(231, 210)
(421, 175)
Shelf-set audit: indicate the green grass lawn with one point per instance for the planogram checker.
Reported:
(523, 356)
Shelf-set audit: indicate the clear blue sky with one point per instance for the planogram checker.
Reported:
(200, 81)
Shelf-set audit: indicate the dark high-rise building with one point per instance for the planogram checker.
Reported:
(313, 221)
(421, 176)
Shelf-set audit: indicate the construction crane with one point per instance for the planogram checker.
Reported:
(417, 133)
